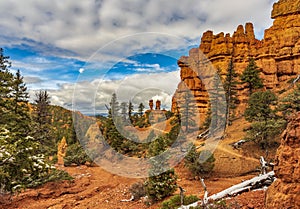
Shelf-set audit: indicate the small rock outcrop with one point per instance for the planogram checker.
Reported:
(285, 191)
(61, 151)
(277, 55)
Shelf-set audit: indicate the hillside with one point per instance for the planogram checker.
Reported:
(94, 187)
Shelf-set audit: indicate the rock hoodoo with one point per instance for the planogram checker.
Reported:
(277, 55)
(61, 151)
(285, 191)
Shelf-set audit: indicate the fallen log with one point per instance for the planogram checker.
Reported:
(203, 134)
(254, 183)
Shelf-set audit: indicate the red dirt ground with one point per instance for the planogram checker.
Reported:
(94, 187)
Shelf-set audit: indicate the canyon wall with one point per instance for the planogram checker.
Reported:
(285, 191)
(277, 55)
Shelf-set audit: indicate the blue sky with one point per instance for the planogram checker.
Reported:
(81, 51)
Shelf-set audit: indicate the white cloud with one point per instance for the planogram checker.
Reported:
(89, 97)
(85, 26)
(103, 32)
(81, 70)
(148, 68)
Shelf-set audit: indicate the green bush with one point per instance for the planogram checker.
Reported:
(221, 204)
(174, 202)
(194, 163)
(76, 154)
(161, 186)
(53, 175)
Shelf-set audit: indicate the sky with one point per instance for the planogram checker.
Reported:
(83, 51)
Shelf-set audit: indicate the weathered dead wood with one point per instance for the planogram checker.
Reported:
(254, 183)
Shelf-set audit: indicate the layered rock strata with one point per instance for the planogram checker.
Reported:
(277, 55)
(285, 191)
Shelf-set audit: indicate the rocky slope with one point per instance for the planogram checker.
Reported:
(285, 191)
(277, 55)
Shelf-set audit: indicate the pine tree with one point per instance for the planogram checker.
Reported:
(42, 117)
(42, 112)
(217, 105)
(230, 87)
(266, 124)
(130, 110)
(124, 107)
(188, 111)
(21, 163)
(20, 107)
(141, 109)
(251, 77)
(19, 94)
(160, 184)
(193, 162)
(291, 103)
(114, 106)
(111, 133)
(6, 79)
(259, 106)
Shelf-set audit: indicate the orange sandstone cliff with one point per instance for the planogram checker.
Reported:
(285, 191)
(277, 55)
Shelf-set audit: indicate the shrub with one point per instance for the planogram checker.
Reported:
(174, 202)
(53, 175)
(194, 163)
(220, 204)
(76, 154)
(161, 186)
(20, 165)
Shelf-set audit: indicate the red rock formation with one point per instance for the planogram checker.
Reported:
(285, 191)
(151, 104)
(277, 55)
(157, 106)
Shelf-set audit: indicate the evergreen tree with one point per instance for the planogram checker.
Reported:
(130, 110)
(217, 104)
(43, 131)
(111, 133)
(251, 77)
(193, 162)
(124, 107)
(230, 87)
(266, 124)
(21, 164)
(19, 94)
(259, 106)
(141, 109)
(114, 106)
(20, 106)
(291, 103)
(188, 111)
(160, 184)
(6, 79)
(42, 112)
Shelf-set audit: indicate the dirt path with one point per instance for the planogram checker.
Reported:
(94, 187)
(229, 150)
